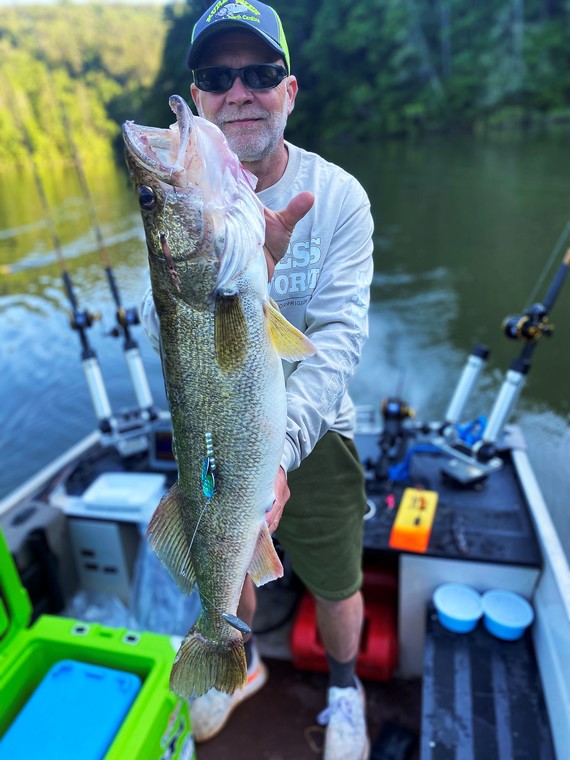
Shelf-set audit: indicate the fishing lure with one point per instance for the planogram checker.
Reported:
(209, 469)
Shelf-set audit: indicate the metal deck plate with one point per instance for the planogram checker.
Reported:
(482, 698)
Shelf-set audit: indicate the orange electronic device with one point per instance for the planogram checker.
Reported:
(412, 527)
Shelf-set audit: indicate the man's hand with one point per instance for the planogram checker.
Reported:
(279, 227)
(282, 494)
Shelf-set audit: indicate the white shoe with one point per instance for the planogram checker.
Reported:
(210, 712)
(346, 737)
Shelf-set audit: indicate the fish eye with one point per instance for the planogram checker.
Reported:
(147, 198)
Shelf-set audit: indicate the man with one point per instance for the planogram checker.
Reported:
(319, 255)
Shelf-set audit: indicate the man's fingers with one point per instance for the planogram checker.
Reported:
(279, 226)
(282, 494)
(299, 206)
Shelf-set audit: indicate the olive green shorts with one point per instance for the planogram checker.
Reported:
(322, 525)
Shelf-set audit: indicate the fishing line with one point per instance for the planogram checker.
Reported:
(125, 317)
(80, 319)
(401, 383)
(10, 98)
(122, 318)
(550, 262)
(207, 504)
(83, 183)
(232, 620)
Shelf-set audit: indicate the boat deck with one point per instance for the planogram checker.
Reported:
(488, 531)
(279, 722)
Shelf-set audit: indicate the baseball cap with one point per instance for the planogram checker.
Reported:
(224, 15)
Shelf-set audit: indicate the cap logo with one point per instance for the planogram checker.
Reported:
(236, 10)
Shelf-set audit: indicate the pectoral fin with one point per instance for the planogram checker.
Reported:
(168, 539)
(289, 342)
(230, 332)
(265, 565)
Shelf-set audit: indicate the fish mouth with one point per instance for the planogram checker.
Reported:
(163, 152)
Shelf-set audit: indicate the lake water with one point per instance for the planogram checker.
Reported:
(464, 230)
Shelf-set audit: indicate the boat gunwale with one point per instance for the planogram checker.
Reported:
(550, 544)
(34, 484)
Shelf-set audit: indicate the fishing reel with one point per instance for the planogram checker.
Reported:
(530, 326)
(395, 411)
(394, 437)
(125, 318)
(81, 319)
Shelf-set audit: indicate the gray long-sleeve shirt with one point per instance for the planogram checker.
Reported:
(322, 286)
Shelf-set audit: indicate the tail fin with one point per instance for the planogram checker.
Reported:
(202, 664)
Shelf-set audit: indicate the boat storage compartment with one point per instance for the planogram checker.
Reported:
(70, 689)
(105, 524)
(482, 698)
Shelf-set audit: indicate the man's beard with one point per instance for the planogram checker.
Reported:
(255, 142)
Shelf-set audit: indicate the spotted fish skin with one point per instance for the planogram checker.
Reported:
(222, 343)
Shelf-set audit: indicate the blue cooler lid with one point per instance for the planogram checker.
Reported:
(15, 605)
(75, 712)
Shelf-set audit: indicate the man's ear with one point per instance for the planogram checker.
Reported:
(292, 89)
(195, 93)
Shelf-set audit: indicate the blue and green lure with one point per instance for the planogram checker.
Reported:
(209, 469)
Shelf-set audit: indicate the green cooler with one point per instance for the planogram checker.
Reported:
(82, 691)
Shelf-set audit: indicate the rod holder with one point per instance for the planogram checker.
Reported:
(469, 376)
(139, 380)
(97, 390)
(513, 383)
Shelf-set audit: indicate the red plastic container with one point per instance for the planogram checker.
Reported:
(378, 654)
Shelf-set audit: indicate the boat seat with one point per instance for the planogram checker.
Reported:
(482, 698)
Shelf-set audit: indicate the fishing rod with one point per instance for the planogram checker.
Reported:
(126, 318)
(80, 319)
(471, 462)
(529, 327)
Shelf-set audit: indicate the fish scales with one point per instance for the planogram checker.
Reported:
(209, 400)
(221, 347)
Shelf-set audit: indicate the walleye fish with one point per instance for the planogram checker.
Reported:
(222, 342)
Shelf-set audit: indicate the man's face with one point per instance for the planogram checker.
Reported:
(253, 121)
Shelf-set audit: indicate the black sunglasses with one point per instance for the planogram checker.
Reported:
(258, 76)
